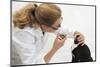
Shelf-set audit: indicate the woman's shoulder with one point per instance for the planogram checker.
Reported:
(24, 35)
(27, 32)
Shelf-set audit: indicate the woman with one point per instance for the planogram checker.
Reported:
(30, 23)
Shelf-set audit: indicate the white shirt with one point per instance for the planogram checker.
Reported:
(27, 45)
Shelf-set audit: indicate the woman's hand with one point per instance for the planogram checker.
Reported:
(59, 41)
(80, 38)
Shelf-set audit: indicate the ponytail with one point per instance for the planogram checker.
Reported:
(25, 16)
(32, 14)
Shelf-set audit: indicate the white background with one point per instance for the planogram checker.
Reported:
(5, 32)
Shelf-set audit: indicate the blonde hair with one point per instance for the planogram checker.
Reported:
(32, 14)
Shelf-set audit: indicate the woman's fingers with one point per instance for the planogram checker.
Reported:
(81, 39)
(81, 42)
(61, 36)
(80, 36)
(59, 42)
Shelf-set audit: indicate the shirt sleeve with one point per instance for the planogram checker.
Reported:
(26, 45)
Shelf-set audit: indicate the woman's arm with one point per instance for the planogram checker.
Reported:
(59, 42)
(49, 55)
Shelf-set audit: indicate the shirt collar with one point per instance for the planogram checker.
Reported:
(38, 31)
(35, 31)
